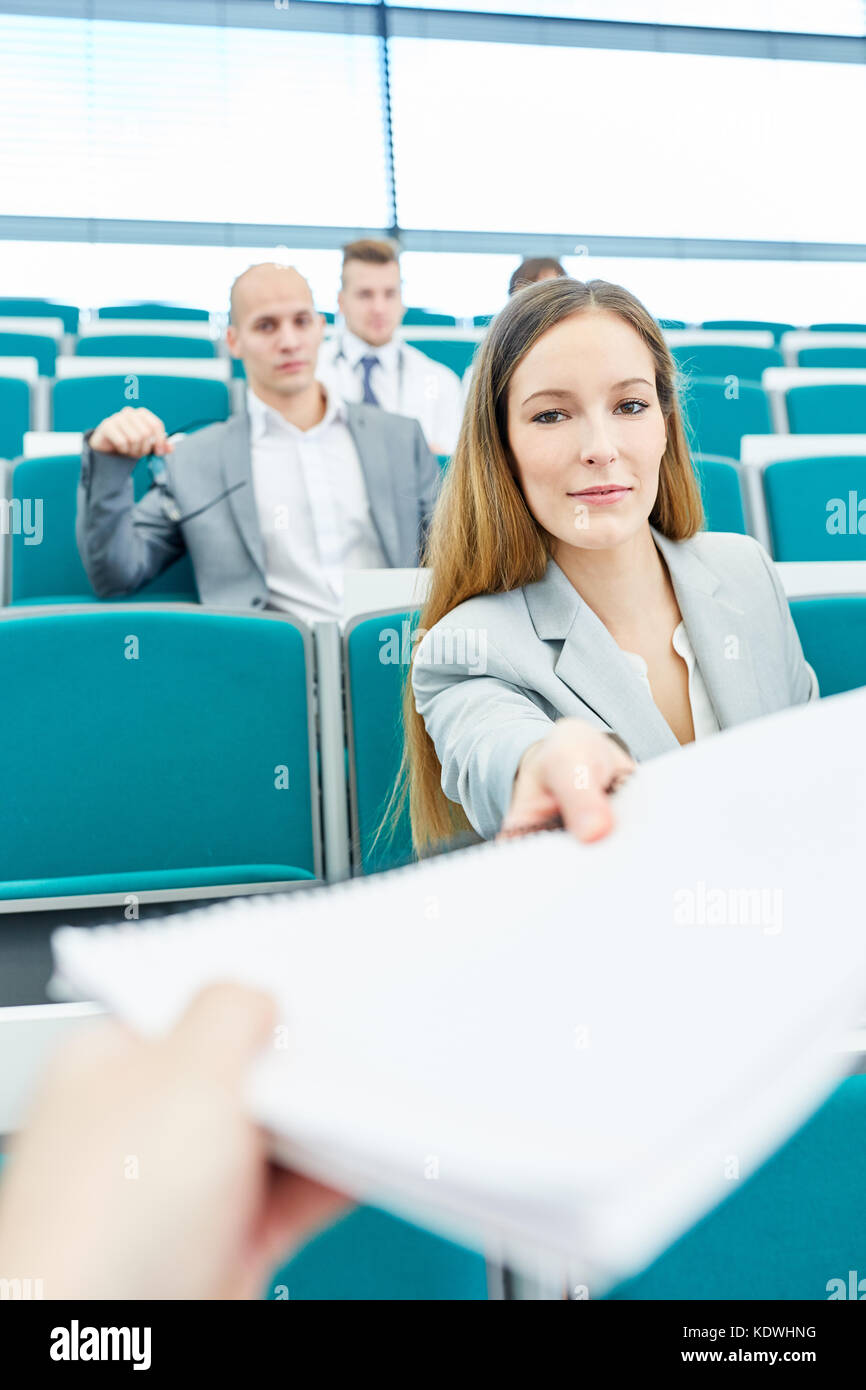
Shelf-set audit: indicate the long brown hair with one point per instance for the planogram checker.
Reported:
(484, 539)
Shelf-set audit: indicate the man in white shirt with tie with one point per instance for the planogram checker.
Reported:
(365, 361)
(273, 504)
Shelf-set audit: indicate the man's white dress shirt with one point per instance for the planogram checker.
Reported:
(405, 382)
(703, 715)
(313, 509)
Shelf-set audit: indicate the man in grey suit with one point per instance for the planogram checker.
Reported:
(272, 505)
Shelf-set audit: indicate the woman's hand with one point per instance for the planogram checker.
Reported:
(569, 774)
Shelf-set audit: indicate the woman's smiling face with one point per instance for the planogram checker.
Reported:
(586, 430)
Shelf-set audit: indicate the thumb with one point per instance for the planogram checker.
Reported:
(224, 1027)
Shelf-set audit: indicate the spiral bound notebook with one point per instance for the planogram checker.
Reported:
(559, 1054)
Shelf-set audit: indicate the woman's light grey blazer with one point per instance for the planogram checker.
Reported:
(493, 674)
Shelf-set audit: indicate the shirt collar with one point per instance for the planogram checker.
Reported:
(265, 420)
(354, 348)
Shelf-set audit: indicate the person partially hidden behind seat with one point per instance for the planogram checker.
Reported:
(579, 620)
(275, 503)
(367, 361)
(533, 270)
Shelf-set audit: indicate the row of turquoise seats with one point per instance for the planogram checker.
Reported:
(45, 562)
(51, 571)
(815, 506)
(456, 353)
(747, 363)
(149, 309)
(45, 350)
(154, 309)
(78, 403)
(183, 719)
(798, 494)
(718, 413)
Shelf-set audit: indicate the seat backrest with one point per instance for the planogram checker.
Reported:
(155, 740)
(455, 353)
(832, 357)
(423, 316)
(79, 403)
(787, 1231)
(37, 345)
(721, 360)
(144, 345)
(50, 568)
(718, 413)
(833, 636)
(14, 414)
(40, 309)
(720, 489)
(147, 310)
(827, 409)
(837, 327)
(376, 653)
(816, 508)
(751, 325)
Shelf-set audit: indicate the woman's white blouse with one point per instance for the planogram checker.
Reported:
(703, 715)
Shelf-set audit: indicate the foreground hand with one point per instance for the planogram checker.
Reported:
(139, 1174)
(569, 774)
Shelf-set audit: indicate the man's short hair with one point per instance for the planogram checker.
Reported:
(234, 297)
(370, 252)
(529, 270)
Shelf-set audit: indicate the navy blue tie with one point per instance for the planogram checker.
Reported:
(368, 363)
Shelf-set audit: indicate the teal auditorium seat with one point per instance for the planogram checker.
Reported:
(420, 317)
(52, 572)
(80, 402)
(832, 632)
(14, 414)
(238, 369)
(832, 357)
(376, 651)
(371, 1255)
(144, 345)
(717, 415)
(37, 345)
(149, 310)
(720, 359)
(720, 490)
(813, 508)
(455, 353)
(40, 309)
(832, 409)
(837, 327)
(671, 323)
(751, 326)
(482, 320)
(788, 1230)
(149, 751)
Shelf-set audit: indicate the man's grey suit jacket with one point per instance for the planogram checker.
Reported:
(207, 507)
(493, 675)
